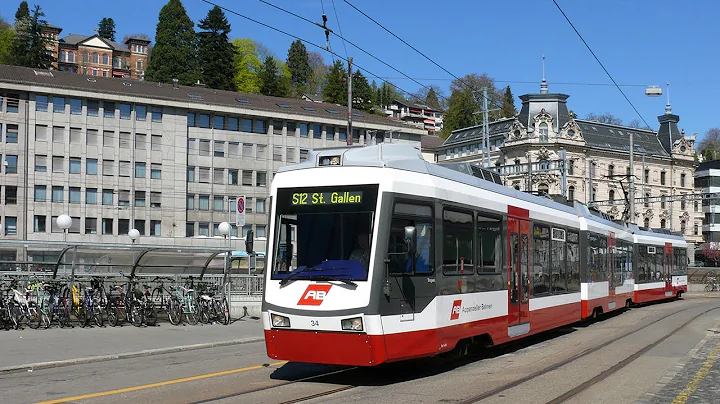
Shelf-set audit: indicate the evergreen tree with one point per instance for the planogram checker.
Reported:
(7, 39)
(361, 92)
(106, 29)
(508, 105)
(386, 94)
(22, 14)
(335, 92)
(431, 99)
(174, 54)
(247, 66)
(30, 49)
(460, 114)
(298, 63)
(271, 79)
(215, 54)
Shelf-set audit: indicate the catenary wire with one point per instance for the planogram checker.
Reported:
(339, 27)
(600, 63)
(371, 74)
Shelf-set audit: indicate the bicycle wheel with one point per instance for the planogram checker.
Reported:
(97, 315)
(191, 315)
(81, 315)
(150, 314)
(708, 287)
(225, 311)
(174, 312)
(112, 314)
(137, 315)
(34, 317)
(204, 309)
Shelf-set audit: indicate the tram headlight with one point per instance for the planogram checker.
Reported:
(280, 321)
(352, 324)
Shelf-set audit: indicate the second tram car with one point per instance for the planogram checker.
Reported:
(375, 255)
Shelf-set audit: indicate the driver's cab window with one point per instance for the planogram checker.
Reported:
(415, 257)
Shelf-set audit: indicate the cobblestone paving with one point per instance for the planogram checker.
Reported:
(695, 380)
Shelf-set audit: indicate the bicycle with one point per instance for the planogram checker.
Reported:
(711, 284)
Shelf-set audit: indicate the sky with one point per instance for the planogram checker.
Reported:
(640, 42)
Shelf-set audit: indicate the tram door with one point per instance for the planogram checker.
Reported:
(518, 276)
(668, 268)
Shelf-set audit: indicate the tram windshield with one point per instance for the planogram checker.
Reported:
(323, 233)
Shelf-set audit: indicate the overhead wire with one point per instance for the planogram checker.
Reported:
(339, 27)
(371, 74)
(600, 63)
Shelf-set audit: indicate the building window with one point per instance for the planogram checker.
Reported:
(189, 229)
(571, 193)
(139, 170)
(611, 170)
(125, 169)
(662, 223)
(611, 195)
(155, 228)
(303, 129)
(218, 176)
(682, 180)
(291, 128)
(10, 226)
(192, 146)
(91, 166)
(155, 199)
(75, 164)
(40, 133)
(646, 178)
(90, 225)
(59, 105)
(40, 193)
(190, 202)
(695, 229)
(57, 194)
(683, 203)
(93, 108)
(140, 112)
(57, 166)
(247, 178)
(71, 57)
(91, 196)
(218, 203)
(10, 195)
(140, 141)
(662, 203)
(91, 137)
(233, 149)
(260, 231)
(261, 179)
(218, 122)
(75, 106)
(108, 109)
(124, 226)
(260, 205)
(75, 136)
(260, 126)
(40, 163)
(204, 229)
(107, 197)
(74, 194)
(156, 115)
(155, 171)
(125, 142)
(260, 152)
(140, 199)
(191, 174)
(107, 226)
(41, 103)
(204, 175)
(290, 155)
(233, 177)
(683, 226)
(58, 135)
(277, 153)
(647, 201)
(11, 167)
(219, 148)
(646, 223)
(125, 110)
(204, 147)
(95, 58)
(123, 198)
(39, 224)
(156, 142)
(662, 177)
(204, 202)
(105, 59)
(543, 132)
(317, 131)
(108, 167)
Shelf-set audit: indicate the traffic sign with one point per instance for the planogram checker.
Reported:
(240, 212)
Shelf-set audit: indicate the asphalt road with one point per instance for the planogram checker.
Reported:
(244, 374)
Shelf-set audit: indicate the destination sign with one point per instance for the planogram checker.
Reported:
(326, 198)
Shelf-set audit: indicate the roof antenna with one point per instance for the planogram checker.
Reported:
(175, 83)
(543, 85)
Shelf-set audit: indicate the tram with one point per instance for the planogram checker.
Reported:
(376, 256)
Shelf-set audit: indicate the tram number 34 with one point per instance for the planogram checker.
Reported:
(315, 323)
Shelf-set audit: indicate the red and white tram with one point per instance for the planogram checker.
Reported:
(376, 256)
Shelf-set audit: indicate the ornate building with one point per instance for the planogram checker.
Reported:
(545, 134)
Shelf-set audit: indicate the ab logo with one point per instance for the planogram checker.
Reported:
(314, 295)
(455, 313)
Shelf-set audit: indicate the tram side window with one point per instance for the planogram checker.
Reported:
(457, 243)
(489, 253)
(659, 264)
(597, 258)
(557, 261)
(539, 271)
(646, 263)
(628, 270)
(572, 248)
(680, 267)
(420, 217)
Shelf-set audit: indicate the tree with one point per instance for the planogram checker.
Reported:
(174, 54)
(461, 113)
(318, 79)
(298, 63)
(711, 254)
(7, 39)
(475, 83)
(106, 29)
(22, 14)
(29, 49)
(508, 105)
(215, 53)
(604, 118)
(361, 92)
(709, 146)
(247, 66)
(271, 79)
(386, 94)
(432, 100)
(335, 92)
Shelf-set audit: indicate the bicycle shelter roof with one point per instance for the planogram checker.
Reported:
(131, 259)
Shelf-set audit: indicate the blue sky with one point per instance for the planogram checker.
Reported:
(645, 42)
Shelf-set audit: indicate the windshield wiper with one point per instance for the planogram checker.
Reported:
(332, 278)
(312, 268)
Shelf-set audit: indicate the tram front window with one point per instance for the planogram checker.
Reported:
(329, 239)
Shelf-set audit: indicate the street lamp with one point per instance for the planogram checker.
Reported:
(64, 222)
(134, 235)
(224, 229)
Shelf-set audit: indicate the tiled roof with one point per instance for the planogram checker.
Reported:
(431, 142)
(75, 39)
(474, 133)
(200, 95)
(605, 136)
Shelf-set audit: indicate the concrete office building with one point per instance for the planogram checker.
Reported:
(167, 160)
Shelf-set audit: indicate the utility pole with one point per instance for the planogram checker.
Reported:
(563, 156)
(632, 181)
(349, 123)
(486, 131)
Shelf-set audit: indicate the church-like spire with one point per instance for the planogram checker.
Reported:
(668, 109)
(543, 84)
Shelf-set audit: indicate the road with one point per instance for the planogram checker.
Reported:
(243, 373)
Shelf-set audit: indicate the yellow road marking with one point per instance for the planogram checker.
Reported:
(704, 370)
(160, 384)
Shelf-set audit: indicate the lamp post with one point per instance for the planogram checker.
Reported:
(65, 222)
(134, 234)
(224, 229)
